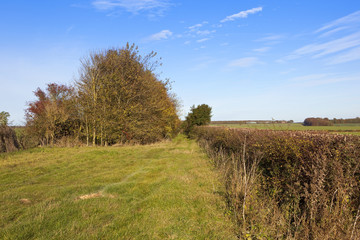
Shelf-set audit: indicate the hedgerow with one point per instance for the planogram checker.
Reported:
(288, 185)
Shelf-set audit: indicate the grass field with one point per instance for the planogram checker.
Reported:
(338, 128)
(160, 191)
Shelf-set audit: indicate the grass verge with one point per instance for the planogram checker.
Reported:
(160, 191)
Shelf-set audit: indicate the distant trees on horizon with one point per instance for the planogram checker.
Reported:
(328, 122)
(348, 120)
(317, 122)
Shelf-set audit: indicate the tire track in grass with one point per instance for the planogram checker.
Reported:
(102, 191)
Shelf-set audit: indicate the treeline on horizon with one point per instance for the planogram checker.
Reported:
(251, 121)
(329, 122)
(307, 122)
(117, 98)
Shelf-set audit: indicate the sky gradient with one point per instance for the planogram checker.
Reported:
(250, 59)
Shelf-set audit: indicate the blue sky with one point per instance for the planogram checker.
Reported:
(249, 59)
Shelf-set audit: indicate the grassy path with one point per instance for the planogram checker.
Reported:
(161, 191)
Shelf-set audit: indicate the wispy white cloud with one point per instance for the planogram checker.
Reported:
(244, 62)
(342, 47)
(351, 55)
(242, 14)
(321, 49)
(202, 63)
(133, 6)
(310, 77)
(321, 79)
(347, 20)
(196, 31)
(262, 50)
(205, 32)
(164, 34)
(197, 26)
(203, 40)
(333, 31)
(271, 38)
(187, 42)
(217, 25)
(69, 29)
(288, 71)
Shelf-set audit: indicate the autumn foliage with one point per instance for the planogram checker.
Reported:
(53, 115)
(288, 185)
(118, 98)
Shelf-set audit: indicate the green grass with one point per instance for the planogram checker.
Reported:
(160, 191)
(338, 128)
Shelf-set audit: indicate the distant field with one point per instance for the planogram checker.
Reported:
(338, 128)
(161, 191)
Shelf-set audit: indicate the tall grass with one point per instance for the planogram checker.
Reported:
(288, 185)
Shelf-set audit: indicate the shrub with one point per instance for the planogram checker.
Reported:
(8, 140)
(4, 118)
(288, 185)
(198, 116)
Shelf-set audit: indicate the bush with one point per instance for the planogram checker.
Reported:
(283, 185)
(27, 139)
(4, 118)
(8, 140)
(198, 116)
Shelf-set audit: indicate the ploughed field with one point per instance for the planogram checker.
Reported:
(349, 128)
(161, 191)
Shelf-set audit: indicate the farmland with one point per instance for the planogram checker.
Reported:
(160, 191)
(337, 128)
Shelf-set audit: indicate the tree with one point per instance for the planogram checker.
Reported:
(200, 115)
(54, 114)
(317, 122)
(122, 99)
(89, 87)
(4, 118)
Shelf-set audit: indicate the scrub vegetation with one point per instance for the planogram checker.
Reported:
(286, 184)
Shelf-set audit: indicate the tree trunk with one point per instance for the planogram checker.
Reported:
(101, 135)
(87, 132)
(94, 136)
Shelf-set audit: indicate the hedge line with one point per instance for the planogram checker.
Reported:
(288, 185)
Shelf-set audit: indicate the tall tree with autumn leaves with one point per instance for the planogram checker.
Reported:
(117, 98)
(123, 98)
